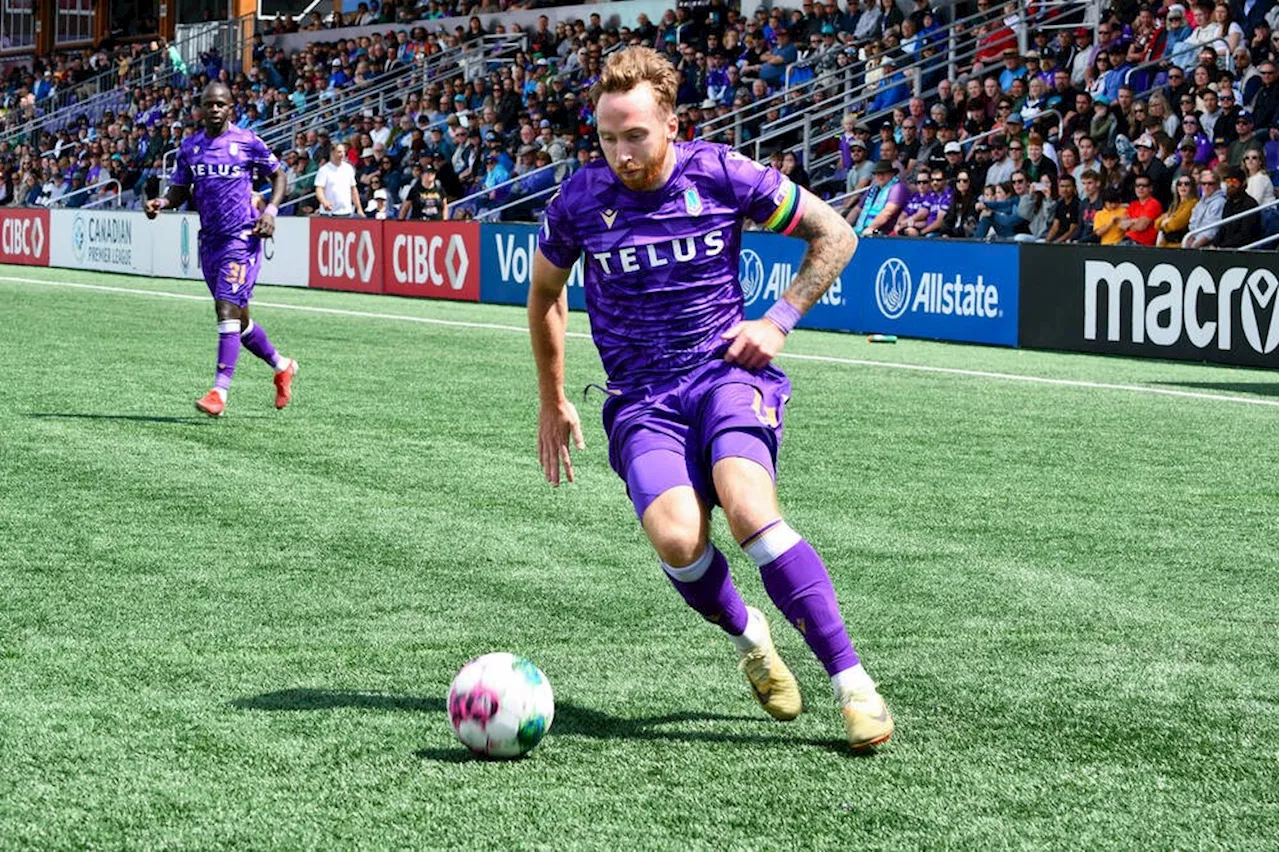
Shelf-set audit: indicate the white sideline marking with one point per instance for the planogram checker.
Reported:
(827, 359)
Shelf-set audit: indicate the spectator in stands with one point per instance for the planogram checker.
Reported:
(880, 205)
(425, 200)
(1244, 231)
(1148, 165)
(1207, 212)
(1139, 221)
(1171, 226)
(1066, 224)
(1258, 183)
(1245, 139)
(1107, 222)
(336, 184)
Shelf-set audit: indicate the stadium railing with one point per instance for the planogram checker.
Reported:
(1236, 217)
(804, 120)
(85, 190)
(1156, 63)
(108, 92)
(468, 201)
(320, 110)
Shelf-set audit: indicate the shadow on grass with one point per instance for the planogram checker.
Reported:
(571, 720)
(136, 418)
(1255, 388)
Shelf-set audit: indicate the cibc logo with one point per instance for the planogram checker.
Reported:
(347, 254)
(1174, 308)
(22, 237)
(418, 259)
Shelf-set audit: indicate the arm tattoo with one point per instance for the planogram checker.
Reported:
(831, 245)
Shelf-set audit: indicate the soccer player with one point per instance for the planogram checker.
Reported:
(694, 409)
(216, 167)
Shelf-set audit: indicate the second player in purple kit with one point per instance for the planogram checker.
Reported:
(216, 168)
(695, 407)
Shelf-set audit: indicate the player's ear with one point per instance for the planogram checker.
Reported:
(673, 126)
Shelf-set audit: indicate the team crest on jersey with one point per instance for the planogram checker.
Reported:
(196, 150)
(234, 149)
(608, 216)
(692, 202)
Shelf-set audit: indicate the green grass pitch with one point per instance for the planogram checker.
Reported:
(239, 633)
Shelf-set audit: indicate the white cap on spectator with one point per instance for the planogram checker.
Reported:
(380, 194)
(709, 103)
(336, 62)
(952, 148)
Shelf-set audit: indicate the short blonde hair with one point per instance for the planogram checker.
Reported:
(628, 68)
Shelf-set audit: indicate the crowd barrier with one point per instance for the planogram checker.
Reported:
(1162, 303)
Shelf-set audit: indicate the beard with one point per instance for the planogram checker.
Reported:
(644, 178)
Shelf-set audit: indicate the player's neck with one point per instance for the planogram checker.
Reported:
(209, 134)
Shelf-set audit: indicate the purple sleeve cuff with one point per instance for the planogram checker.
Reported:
(784, 315)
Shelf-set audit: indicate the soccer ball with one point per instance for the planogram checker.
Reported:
(500, 705)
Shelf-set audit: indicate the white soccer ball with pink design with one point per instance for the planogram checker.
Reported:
(500, 705)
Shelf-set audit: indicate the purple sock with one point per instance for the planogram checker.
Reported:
(798, 584)
(709, 589)
(228, 352)
(255, 340)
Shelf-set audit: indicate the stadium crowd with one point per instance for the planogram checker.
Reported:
(1159, 118)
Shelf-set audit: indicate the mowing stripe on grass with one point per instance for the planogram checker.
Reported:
(826, 359)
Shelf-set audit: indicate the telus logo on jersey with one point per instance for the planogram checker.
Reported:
(757, 283)
(218, 170)
(896, 293)
(657, 255)
(1176, 310)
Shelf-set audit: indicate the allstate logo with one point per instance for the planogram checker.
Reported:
(78, 237)
(184, 247)
(750, 275)
(893, 288)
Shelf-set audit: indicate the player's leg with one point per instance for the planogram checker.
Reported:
(740, 429)
(677, 522)
(647, 449)
(214, 402)
(253, 336)
(795, 578)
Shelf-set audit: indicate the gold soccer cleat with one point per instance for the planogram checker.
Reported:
(771, 681)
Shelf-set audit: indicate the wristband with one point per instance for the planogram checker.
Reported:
(784, 315)
(272, 211)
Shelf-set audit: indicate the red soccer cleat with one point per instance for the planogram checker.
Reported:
(284, 384)
(211, 404)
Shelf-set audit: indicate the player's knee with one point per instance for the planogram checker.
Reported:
(677, 527)
(747, 495)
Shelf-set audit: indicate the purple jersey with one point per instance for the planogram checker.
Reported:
(220, 172)
(661, 268)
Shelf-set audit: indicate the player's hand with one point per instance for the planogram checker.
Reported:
(152, 207)
(265, 226)
(755, 343)
(557, 425)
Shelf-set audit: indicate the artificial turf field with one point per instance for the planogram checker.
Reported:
(239, 633)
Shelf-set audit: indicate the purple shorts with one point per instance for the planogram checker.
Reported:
(231, 268)
(668, 436)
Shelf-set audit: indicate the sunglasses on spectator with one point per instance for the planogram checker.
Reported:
(1143, 185)
(1186, 183)
(1017, 181)
(962, 180)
